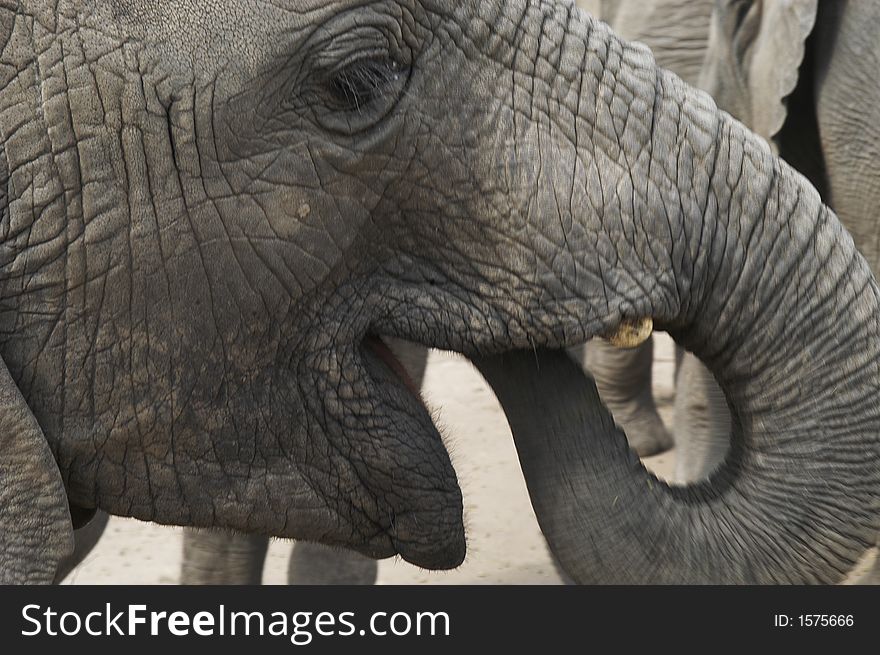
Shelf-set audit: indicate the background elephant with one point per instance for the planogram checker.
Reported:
(677, 31)
(208, 232)
(806, 76)
(238, 559)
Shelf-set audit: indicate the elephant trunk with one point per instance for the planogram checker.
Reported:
(797, 499)
(692, 222)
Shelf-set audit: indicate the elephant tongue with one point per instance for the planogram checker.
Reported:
(381, 350)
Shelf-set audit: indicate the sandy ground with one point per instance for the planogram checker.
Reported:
(505, 545)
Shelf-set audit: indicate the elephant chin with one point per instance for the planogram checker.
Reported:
(445, 551)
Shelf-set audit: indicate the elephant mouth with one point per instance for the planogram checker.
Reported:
(378, 347)
(415, 486)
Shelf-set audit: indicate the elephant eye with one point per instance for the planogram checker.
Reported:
(358, 85)
(355, 97)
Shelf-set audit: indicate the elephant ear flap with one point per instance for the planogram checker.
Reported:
(756, 48)
(780, 45)
(36, 531)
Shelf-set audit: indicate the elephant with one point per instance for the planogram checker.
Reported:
(214, 213)
(677, 31)
(805, 75)
(623, 376)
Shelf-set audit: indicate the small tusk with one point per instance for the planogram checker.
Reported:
(631, 333)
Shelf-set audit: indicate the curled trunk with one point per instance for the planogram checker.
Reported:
(794, 345)
(691, 221)
(761, 519)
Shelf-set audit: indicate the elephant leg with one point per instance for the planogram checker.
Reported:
(85, 539)
(702, 421)
(623, 378)
(314, 564)
(222, 558)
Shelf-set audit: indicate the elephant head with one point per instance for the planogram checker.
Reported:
(215, 212)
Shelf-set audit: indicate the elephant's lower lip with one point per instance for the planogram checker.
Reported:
(442, 554)
(384, 353)
(434, 558)
(431, 535)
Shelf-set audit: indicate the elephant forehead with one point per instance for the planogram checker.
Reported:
(233, 39)
(210, 36)
(240, 24)
(177, 17)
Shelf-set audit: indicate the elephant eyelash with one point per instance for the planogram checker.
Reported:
(360, 84)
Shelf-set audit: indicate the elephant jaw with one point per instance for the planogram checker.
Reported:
(417, 485)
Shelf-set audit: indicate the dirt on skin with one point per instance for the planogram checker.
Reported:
(505, 545)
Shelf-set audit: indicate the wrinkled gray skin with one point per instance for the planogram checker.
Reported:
(677, 32)
(214, 557)
(211, 207)
(807, 77)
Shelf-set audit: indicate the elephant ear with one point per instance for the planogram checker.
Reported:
(763, 43)
(36, 532)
